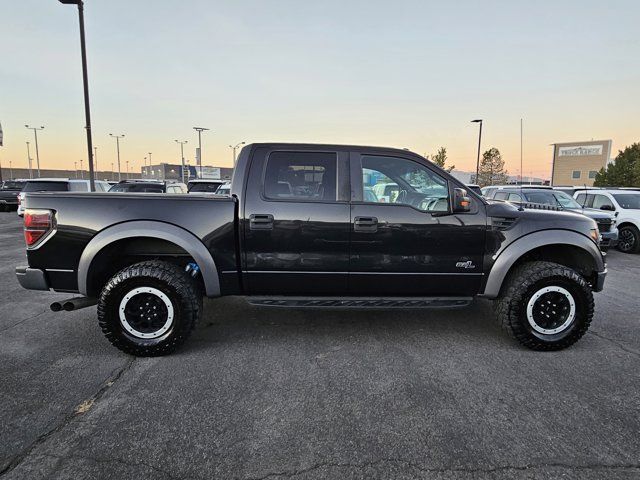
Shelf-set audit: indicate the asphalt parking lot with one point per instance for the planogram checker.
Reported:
(268, 394)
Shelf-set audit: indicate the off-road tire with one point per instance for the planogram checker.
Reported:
(527, 280)
(629, 230)
(174, 283)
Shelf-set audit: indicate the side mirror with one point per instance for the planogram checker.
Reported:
(461, 202)
(607, 207)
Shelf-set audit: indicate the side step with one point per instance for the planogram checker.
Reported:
(361, 302)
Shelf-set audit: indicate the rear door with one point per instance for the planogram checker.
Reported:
(409, 243)
(296, 222)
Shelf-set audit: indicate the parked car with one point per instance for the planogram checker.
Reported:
(474, 188)
(9, 191)
(204, 186)
(147, 260)
(224, 189)
(488, 191)
(148, 186)
(625, 203)
(57, 185)
(558, 199)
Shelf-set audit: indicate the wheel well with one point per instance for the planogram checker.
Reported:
(122, 253)
(570, 256)
(628, 224)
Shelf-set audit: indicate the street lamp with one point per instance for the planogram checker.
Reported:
(182, 155)
(127, 169)
(479, 142)
(10, 171)
(199, 159)
(81, 171)
(29, 160)
(117, 137)
(234, 148)
(85, 81)
(35, 133)
(112, 173)
(75, 168)
(95, 158)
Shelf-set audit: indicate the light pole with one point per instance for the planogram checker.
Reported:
(479, 142)
(29, 160)
(144, 167)
(85, 82)
(199, 159)
(35, 134)
(113, 176)
(81, 171)
(10, 171)
(127, 169)
(234, 148)
(75, 168)
(117, 137)
(149, 153)
(182, 155)
(95, 158)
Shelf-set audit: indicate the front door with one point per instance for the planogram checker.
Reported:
(405, 241)
(296, 223)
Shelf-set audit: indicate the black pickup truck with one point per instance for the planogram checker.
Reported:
(303, 227)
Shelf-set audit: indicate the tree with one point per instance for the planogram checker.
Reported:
(624, 171)
(492, 170)
(440, 159)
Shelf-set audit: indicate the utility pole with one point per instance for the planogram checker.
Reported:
(35, 134)
(199, 159)
(85, 82)
(479, 142)
(29, 160)
(234, 148)
(182, 156)
(118, 137)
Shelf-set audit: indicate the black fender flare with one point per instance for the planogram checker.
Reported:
(165, 231)
(504, 259)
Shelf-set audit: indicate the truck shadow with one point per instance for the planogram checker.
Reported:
(232, 320)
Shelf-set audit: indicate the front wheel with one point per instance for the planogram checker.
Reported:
(149, 309)
(629, 239)
(545, 306)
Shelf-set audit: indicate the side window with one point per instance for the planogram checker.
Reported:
(581, 199)
(601, 200)
(306, 176)
(514, 197)
(500, 196)
(405, 182)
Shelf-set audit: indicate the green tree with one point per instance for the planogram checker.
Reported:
(624, 171)
(492, 170)
(440, 158)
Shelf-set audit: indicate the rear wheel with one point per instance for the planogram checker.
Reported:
(149, 308)
(629, 239)
(545, 306)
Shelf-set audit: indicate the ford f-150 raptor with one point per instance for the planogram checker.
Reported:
(298, 230)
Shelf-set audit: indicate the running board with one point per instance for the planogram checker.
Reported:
(361, 302)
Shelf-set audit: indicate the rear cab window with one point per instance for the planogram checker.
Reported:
(301, 176)
(37, 186)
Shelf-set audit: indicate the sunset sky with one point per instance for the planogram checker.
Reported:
(395, 73)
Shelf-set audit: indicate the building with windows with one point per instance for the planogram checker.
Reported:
(577, 163)
(168, 171)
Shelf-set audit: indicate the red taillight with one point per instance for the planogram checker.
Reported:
(37, 223)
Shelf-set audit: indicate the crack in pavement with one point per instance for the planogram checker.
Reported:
(505, 468)
(24, 320)
(616, 343)
(112, 379)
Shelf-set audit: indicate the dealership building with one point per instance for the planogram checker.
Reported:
(577, 163)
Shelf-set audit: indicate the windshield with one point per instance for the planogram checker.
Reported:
(628, 200)
(565, 200)
(12, 185)
(46, 187)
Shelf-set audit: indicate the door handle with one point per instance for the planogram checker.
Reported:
(365, 224)
(261, 222)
